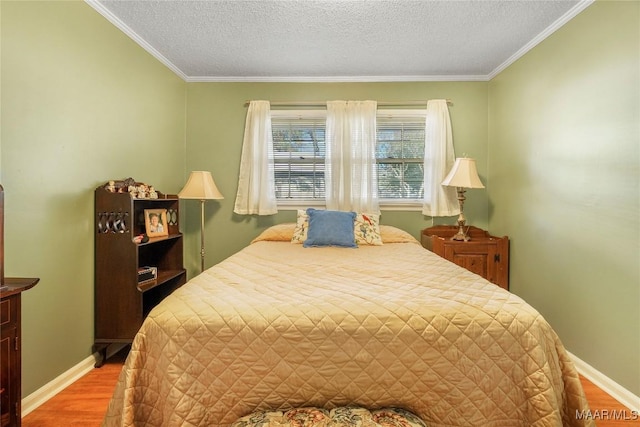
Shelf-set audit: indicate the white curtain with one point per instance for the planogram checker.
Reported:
(256, 184)
(350, 165)
(439, 158)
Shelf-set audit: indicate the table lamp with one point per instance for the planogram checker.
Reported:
(463, 175)
(200, 186)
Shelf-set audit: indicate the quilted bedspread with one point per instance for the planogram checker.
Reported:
(278, 326)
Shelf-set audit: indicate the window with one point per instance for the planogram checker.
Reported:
(400, 154)
(299, 151)
(299, 155)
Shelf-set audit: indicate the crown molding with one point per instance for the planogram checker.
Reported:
(572, 13)
(134, 36)
(337, 79)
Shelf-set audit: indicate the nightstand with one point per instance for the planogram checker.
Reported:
(485, 255)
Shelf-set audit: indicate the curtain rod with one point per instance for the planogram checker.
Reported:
(324, 103)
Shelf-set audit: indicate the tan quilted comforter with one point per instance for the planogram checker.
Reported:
(277, 326)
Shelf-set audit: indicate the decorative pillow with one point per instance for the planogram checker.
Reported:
(302, 225)
(277, 233)
(341, 416)
(367, 229)
(330, 228)
(392, 234)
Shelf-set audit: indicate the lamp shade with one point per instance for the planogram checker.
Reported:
(200, 186)
(463, 174)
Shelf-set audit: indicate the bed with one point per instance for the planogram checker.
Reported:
(278, 325)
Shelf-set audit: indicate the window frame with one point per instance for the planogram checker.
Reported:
(315, 113)
(294, 204)
(402, 204)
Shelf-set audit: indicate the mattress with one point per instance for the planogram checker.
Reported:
(279, 326)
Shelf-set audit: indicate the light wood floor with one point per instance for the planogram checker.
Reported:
(84, 403)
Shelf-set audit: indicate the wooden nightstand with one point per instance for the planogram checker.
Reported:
(485, 255)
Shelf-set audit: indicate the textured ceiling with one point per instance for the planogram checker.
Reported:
(337, 40)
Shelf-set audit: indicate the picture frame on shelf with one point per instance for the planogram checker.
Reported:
(155, 222)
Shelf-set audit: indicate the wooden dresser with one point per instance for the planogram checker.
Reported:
(10, 337)
(485, 255)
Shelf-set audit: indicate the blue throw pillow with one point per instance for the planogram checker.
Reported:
(330, 228)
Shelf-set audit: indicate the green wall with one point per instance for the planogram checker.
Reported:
(215, 127)
(564, 142)
(81, 104)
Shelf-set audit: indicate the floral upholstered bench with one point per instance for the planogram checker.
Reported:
(338, 417)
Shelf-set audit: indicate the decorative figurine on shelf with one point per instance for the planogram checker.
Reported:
(129, 182)
(153, 194)
(142, 191)
(137, 190)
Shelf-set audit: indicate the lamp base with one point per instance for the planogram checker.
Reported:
(461, 235)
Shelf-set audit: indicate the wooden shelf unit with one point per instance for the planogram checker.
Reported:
(121, 301)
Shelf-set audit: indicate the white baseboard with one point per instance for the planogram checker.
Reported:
(615, 390)
(47, 391)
